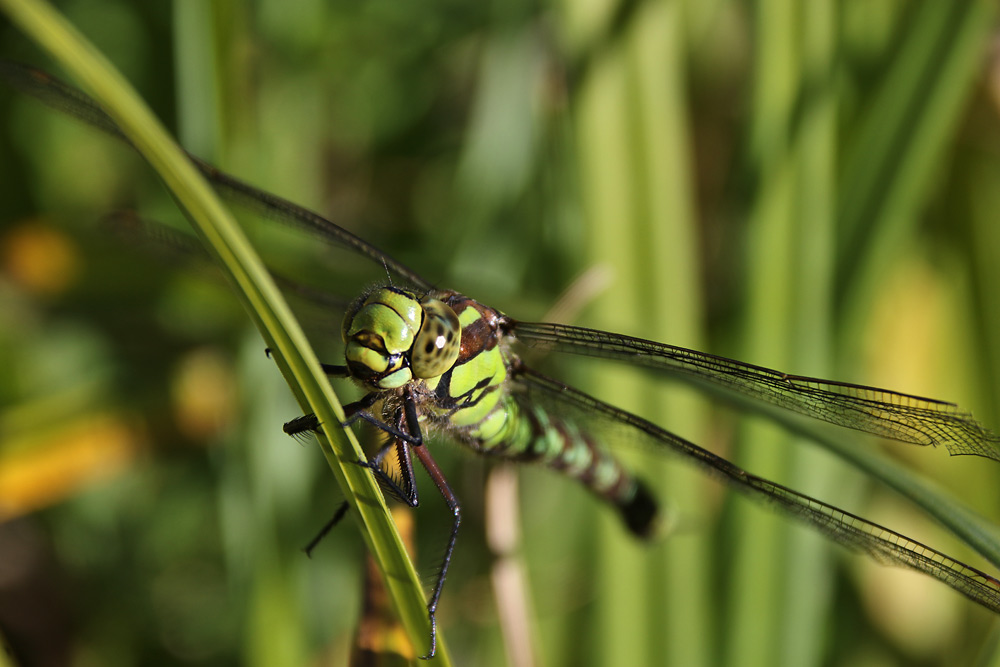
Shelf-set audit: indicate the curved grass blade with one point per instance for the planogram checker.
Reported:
(132, 121)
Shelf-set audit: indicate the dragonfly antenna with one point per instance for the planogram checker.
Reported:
(388, 274)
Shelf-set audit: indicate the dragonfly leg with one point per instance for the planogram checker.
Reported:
(382, 426)
(456, 510)
(404, 490)
(405, 419)
(300, 425)
(309, 422)
(327, 527)
(335, 371)
(359, 410)
(332, 370)
(353, 411)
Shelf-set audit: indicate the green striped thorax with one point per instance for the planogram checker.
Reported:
(394, 335)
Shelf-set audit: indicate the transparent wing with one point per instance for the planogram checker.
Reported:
(882, 544)
(71, 101)
(885, 413)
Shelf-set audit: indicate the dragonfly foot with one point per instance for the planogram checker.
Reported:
(433, 649)
(299, 425)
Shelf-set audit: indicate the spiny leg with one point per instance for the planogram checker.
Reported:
(411, 434)
(353, 412)
(406, 493)
(380, 425)
(407, 496)
(407, 423)
(301, 425)
(294, 428)
(309, 423)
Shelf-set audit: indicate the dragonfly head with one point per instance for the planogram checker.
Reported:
(393, 336)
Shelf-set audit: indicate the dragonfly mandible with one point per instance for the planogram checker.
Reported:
(431, 357)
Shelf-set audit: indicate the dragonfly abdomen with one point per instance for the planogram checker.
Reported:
(531, 434)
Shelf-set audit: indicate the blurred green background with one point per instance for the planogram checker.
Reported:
(810, 186)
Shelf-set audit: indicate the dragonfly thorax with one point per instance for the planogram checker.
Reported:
(393, 336)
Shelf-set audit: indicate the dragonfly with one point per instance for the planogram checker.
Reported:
(435, 359)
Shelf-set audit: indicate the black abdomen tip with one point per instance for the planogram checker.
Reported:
(640, 512)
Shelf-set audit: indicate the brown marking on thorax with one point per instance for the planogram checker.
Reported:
(480, 335)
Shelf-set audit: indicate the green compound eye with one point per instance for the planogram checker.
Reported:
(379, 332)
(438, 342)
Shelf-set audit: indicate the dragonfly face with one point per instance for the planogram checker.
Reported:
(393, 336)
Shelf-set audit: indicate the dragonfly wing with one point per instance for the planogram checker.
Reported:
(179, 248)
(289, 213)
(69, 100)
(881, 412)
(882, 544)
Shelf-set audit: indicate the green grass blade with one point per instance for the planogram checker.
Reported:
(889, 165)
(263, 300)
(760, 553)
(634, 138)
(665, 270)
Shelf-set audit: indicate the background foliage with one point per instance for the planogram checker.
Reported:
(807, 186)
